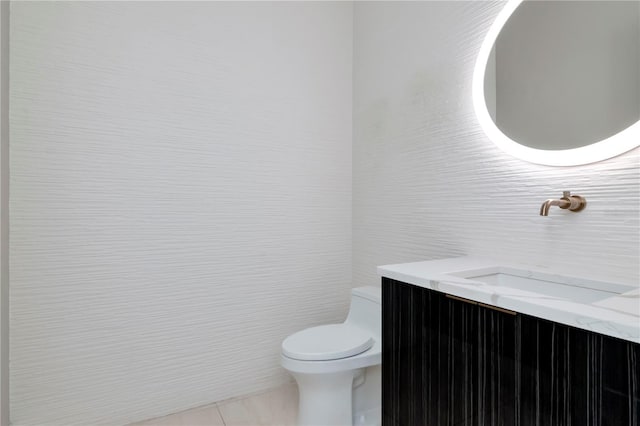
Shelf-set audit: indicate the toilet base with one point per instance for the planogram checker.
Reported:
(367, 397)
(325, 399)
(370, 417)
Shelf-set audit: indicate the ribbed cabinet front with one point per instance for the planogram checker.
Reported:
(450, 362)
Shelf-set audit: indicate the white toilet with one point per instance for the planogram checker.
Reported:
(337, 366)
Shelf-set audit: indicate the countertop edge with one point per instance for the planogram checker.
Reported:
(433, 275)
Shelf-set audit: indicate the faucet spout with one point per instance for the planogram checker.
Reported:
(544, 209)
(575, 203)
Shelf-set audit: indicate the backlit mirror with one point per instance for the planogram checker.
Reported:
(558, 82)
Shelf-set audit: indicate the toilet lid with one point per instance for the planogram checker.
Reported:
(327, 342)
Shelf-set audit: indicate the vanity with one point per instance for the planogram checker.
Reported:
(471, 341)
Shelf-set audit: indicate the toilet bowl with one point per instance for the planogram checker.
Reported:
(337, 366)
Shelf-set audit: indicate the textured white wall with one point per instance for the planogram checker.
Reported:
(428, 184)
(4, 213)
(180, 200)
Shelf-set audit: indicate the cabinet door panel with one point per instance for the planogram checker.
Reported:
(445, 361)
(575, 377)
(543, 364)
(497, 368)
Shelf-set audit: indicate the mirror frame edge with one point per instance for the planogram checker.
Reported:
(610, 147)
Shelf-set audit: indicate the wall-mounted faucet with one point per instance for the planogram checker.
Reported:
(575, 203)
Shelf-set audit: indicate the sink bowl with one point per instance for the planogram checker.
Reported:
(605, 307)
(520, 282)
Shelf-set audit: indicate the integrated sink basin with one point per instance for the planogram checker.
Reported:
(537, 284)
(604, 307)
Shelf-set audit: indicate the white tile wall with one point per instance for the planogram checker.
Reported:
(180, 200)
(4, 213)
(427, 182)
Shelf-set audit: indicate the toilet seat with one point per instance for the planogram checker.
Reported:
(327, 342)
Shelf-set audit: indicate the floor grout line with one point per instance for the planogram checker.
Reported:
(224, 422)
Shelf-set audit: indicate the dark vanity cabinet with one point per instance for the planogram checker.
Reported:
(450, 362)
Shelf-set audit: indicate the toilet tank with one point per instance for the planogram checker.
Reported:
(366, 309)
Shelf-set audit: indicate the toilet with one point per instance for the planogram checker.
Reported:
(338, 366)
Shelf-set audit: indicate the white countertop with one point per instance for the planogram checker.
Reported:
(617, 315)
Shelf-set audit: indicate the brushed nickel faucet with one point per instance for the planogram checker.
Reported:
(575, 203)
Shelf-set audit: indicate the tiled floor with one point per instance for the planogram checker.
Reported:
(275, 407)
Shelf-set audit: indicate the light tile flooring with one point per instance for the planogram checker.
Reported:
(275, 407)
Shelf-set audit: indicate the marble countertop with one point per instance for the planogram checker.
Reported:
(613, 309)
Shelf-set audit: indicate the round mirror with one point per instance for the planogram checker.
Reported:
(558, 82)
